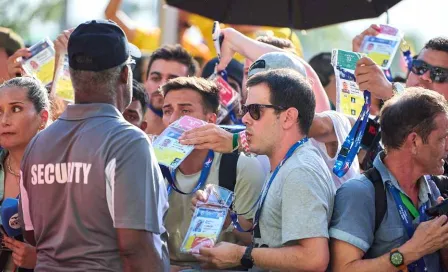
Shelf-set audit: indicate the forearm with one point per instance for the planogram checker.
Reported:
(322, 101)
(244, 237)
(290, 258)
(112, 9)
(381, 263)
(250, 48)
(141, 260)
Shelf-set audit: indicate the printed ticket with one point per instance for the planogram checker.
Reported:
(383, 47)
(41, 62)
(168, 150)
(349, 99)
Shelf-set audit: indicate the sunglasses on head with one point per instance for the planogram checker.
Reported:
(437, 74)
(254, 110)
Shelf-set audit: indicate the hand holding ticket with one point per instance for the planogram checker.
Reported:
(169, 151)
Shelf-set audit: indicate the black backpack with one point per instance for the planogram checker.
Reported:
(227, 171)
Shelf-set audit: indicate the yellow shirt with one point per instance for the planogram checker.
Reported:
(149, 40)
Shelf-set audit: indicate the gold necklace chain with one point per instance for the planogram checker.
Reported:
(8, 164)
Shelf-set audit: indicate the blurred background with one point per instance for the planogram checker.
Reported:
(37, 19)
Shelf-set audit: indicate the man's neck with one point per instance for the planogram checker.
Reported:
(404, 170)
(155, 123)
(194, 162)
(280, 150)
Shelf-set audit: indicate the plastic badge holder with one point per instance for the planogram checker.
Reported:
(383, 47)
(168, 150)
(228, 97)
(62, 85)
(349, 99)
(41, 62)
(208, 220)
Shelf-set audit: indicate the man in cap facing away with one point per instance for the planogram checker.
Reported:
(92, 195)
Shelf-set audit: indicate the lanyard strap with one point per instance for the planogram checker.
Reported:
(202, 178)
(407, 221)
(259, 203)
(352, 143)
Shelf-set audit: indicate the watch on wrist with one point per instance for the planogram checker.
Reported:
(397, 260)
(397, 88)
(247, 261)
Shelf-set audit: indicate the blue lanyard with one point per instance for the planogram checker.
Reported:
(156, 111)
(202, 178)
(408, 58)
(352, 143)
(407, 223)
(264, 192)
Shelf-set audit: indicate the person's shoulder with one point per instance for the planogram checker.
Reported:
(359, 185)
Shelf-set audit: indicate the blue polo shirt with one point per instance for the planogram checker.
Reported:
(353, 219)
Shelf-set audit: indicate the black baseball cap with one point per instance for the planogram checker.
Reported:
(98, 45)
(235, 70)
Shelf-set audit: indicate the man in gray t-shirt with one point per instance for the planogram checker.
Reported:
(92, 195)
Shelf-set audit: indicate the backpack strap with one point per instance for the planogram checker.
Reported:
(227, 170)
(380, 195)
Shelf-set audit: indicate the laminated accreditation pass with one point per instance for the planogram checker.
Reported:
(41, 62)
(228, 97)
(383, 47)
(349, 99)
(168, 150)
(208, 219)
(62, 84)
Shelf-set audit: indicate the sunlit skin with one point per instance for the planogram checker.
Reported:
(160, 72)
(434, 58)
(134, 115)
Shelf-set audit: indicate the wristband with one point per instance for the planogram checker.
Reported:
(244, 143)
(235, 142)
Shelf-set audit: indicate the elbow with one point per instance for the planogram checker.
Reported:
(318, 263)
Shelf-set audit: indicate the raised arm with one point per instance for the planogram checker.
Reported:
(236, 42)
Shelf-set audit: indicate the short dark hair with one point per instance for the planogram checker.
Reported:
(438, 44)
(139, 94)
(289, 89)
(36, 92)
(208, 90)
(321, 63)
(174, 53)
(413, 111)
(278, 42)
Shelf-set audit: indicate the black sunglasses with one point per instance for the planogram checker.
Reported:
(437, 74)
(255, 109)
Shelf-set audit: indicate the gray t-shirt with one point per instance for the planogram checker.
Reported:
(299, 203)
(83, 177)
(354, 216)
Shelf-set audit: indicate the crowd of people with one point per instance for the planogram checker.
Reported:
(93, 197)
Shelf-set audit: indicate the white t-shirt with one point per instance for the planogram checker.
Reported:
(299, 203)
(342, 127)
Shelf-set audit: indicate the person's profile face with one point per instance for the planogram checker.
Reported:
(19, 121)
(431, 155)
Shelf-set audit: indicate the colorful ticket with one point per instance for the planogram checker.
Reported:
(62, 83)
(349, 99)
(168, 150)
(383, 47)
(205, 228)
(228, 97)
(41, 62)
